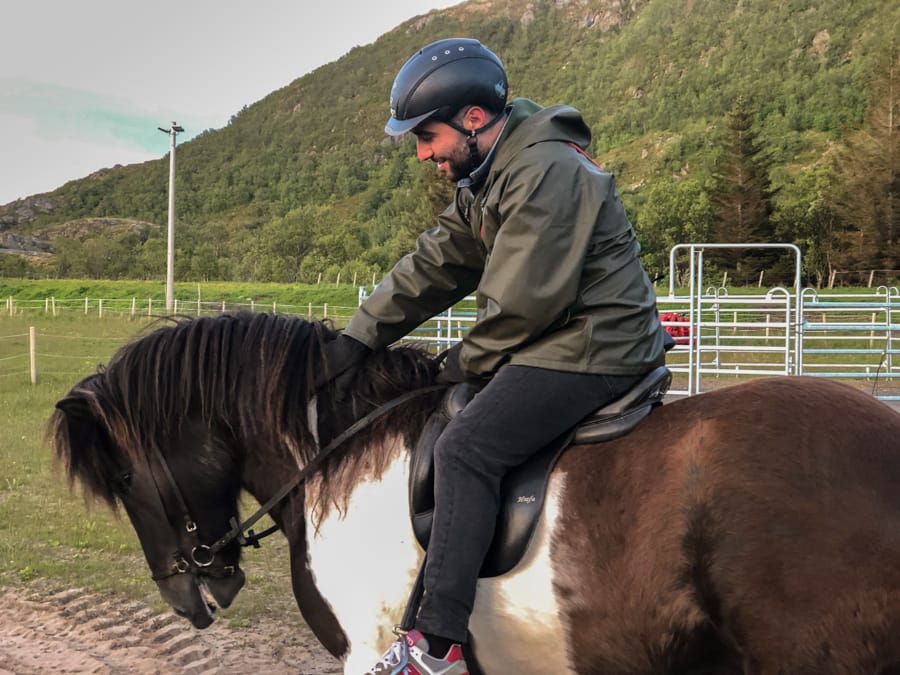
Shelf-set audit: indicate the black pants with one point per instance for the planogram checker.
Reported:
(519, 412)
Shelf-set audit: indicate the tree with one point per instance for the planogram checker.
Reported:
(205, 263)
(151, 262)
(675, 212)
(869, 169)
(15, 266)
(743, 195)
(70, 258)
(804, 216)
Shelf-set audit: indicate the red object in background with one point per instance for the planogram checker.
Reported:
(680, 333)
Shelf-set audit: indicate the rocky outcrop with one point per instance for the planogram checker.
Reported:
(16, 243)
(86, 228)
(24, 211)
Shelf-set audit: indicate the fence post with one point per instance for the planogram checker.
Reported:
(53, 304)
(32, 354)
(149, 306)
(85, 305)
(133, 306)
(872, 332)
(100, 308)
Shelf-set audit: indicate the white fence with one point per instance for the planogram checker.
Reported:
(148, 307)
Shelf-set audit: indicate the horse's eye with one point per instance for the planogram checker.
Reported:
(125, 480)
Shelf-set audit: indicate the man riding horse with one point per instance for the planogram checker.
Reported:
(566, 320)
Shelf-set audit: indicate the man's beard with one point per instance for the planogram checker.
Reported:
(460, 163)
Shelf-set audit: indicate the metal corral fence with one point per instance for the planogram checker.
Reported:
(779, 331)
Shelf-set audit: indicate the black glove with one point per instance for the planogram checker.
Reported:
(341, 356)
(452, 372)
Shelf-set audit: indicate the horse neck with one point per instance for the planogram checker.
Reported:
(362, 554)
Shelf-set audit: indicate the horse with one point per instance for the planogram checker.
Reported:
(754, 528)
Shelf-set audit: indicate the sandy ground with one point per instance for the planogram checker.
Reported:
(74, 632)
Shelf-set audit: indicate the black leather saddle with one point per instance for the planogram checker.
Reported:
(523, 490)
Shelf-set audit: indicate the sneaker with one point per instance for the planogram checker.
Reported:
(409, 656)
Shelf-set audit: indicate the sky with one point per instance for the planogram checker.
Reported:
(85, 84)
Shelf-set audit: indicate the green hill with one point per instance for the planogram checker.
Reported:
(305, 183)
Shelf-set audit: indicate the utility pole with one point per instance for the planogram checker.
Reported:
(170, 251)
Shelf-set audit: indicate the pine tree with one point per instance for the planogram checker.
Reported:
(743, 196)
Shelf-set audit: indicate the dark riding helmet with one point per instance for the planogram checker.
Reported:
(441, 78)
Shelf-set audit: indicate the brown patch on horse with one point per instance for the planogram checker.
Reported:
(702, 535)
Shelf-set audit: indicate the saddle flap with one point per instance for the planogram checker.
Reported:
(421, 471)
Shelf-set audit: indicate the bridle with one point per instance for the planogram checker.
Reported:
(200, 562)
(202, 556)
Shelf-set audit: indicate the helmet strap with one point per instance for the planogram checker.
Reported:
(472, 140)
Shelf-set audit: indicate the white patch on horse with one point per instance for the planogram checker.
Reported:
(516, 624)
(365, 561)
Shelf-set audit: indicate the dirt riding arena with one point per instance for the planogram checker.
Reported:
(45, 631)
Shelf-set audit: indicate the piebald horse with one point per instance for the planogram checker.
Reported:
(752, 529)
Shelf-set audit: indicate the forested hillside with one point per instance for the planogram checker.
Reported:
(725, 120)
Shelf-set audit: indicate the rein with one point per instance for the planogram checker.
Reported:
(252, 539)
(203, 555)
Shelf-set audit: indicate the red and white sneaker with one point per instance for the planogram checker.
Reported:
(409, 656)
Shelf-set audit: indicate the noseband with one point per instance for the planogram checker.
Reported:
(203, 555)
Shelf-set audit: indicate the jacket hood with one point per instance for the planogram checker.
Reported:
(529, 124)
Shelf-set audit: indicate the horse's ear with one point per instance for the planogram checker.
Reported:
(79, 419)
(76, 402)
(73, 405)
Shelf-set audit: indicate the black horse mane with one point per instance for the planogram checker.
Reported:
(251, 374)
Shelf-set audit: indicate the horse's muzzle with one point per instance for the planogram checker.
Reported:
(196, 597)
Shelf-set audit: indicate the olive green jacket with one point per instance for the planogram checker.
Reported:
(539, 232)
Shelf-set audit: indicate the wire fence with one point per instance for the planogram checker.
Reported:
(148, 307)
